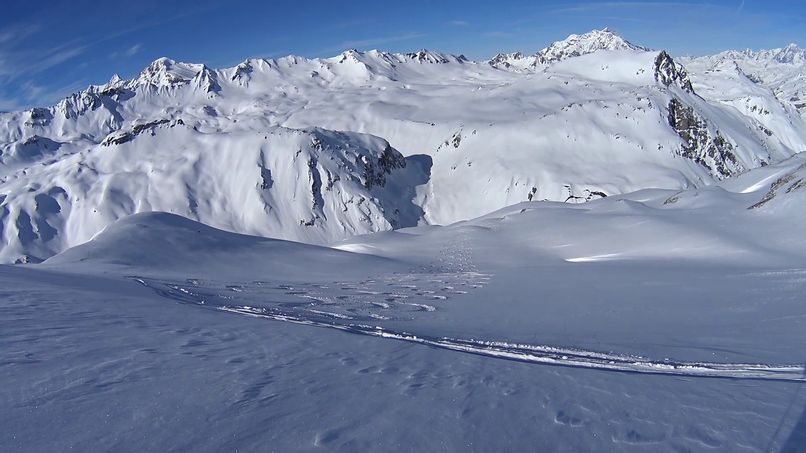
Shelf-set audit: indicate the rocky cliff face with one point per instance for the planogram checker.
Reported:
(708, 149)
(668, 72)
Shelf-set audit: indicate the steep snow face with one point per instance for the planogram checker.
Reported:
(306, 185)
(604, 117)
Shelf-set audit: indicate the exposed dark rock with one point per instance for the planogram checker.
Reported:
(713, 152)
(424, 56)
(780, 183)
(118, 138)
(594, 194)
(207, 81)
(668, 72)
(242, 71)
(375, 173)
(39, 117)
(502, 59)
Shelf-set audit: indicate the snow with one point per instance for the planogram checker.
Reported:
(473, 315)
(477, 137)
(485, 334)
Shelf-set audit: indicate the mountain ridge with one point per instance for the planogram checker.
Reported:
(602, 118)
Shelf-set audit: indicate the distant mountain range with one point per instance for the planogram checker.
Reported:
(317, 150)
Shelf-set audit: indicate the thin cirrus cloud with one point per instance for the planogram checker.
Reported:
(129, 52)
(21, 64)
(21, 58)
(459, 23)
(16, 63)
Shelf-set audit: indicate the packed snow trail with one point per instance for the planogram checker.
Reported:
(301, 313)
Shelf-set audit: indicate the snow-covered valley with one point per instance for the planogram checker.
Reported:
(593, 248)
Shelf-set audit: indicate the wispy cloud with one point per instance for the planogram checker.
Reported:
(133, 50)
(15, 64)
(130, 52)
(24, 56)
(458, 23)
(17, 32)
(31, 94)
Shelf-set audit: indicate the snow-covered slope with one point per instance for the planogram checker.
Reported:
(170, 244)
(310, 185)
(658, 320)
(250, 148)
(781, 72)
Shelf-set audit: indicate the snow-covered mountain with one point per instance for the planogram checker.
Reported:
(572, 46)
(253, 148)
(781, 71)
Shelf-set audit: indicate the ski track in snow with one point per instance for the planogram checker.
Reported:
(348, 304)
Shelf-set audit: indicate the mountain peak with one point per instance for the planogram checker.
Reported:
(427, 56)
(790, 54)
(592, 41)
(165, 72)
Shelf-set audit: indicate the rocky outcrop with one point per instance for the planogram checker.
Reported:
(668, 72)
(39, 117)
(120, 137)
(505, 60)
(790, 182)
(375, 171)
(711, 150)
(28, 150)
(426, 56)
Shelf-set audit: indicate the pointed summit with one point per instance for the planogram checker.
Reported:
(593, 41)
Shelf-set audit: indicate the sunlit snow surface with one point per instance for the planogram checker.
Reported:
(655, 321)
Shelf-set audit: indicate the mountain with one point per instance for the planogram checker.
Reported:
(572, 46)
(317, 150)
(781, 71)
(309, 185)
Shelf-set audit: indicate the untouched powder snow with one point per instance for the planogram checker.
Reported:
(598, 116)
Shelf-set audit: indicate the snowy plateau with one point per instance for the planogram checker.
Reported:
(595, 247)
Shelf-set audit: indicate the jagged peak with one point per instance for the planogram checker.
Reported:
(592, 41)
(504, 58)
(513, 60)
(668, 72)
(428, 56)
(206, 80)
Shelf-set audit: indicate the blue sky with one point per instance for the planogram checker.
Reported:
(49, 49)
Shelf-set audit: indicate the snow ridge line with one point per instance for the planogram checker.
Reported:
(537, 354)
